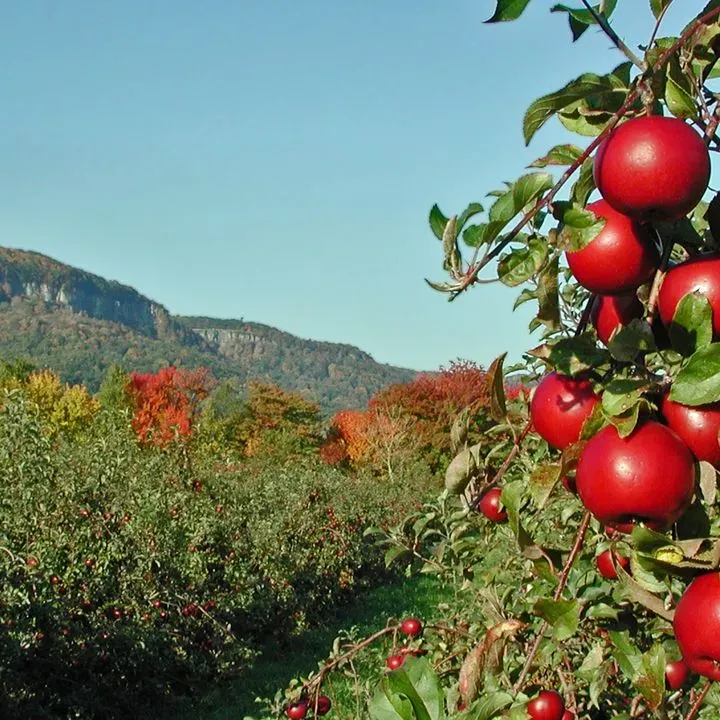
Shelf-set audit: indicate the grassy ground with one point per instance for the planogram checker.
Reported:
(278, 664)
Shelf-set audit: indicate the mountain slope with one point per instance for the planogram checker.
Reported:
(79, 324)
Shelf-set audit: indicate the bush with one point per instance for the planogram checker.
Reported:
(152, 571)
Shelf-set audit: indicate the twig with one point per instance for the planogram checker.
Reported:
(585, 317)
(667, 246)
(605, 26)
(659, 20)
(695, 709)
(503, 468)
(475, 267)
(562, 582)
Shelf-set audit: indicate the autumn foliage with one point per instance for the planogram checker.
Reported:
(166, 403)
(410, 417)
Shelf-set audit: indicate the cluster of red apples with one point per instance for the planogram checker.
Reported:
(649, 169)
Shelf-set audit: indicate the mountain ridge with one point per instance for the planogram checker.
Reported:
(79, 323)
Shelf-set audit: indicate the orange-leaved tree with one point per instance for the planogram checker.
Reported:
(166, 402)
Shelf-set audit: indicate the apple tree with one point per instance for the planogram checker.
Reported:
(585, 523)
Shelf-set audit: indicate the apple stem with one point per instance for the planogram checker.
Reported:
(504, 467)
(585, 317)
(474, 267)
(695, 709)
(562, 582)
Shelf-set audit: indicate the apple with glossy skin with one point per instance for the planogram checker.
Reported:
(652, 168)
(676, 674)
(647, 477)
(698, 427)
(699, 274)
(395, 661)
(411, 626)
(620, 258)
(296, 711)
(548, 705)
(610, 312)
(491, 507)
(697, 625)
(559, 407)
(607, 563)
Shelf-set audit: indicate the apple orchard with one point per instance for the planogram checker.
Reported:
(582, 531)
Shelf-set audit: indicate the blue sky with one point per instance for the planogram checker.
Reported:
(276, 160)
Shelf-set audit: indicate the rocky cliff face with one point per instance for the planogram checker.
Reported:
(32, 275)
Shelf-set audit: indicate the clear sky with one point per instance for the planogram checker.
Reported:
(276, 159)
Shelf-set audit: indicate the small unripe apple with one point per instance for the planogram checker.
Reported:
(612, 312)
(647, 477)
(607, 561)
(491, 507)
(699, 274)
(560, 406)
(296, 711)
(697, 426)
(652, 168)
(676, 674)
(620, 258)
(411, 626)
(548, 705)
(395, 661)
(697, 625)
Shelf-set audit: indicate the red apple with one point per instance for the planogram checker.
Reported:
(611, 312)
(619, 259)
(607, 561)
(647, 477)
(548, 705)
(323, 705)
(395, 661)
(697, 625)
(698, 427)
(652, 168)
(699, 274)
(567, 715)
(296, 711)
(560, 406)
(676, 674)
(568, 482)
(411, 627)
(491, 507)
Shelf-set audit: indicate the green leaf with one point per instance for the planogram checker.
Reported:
(491, 705)
(507, 10)
(651, 680)
(417, 681)
(496, 384)
(698, 383)
(519, 265)
(580, 18)
(574, 355)
(679, 92)
(589, 84)
(632, 339)
(621, 394)
(529, 188)
(579, 226)
(559, 155)
(394, 553)
(542, 481)
(381, 708)
(563, 616)
(584, 185)
(471, 210)
(453, 259)
(657, 6)
(691, 326)
(437, 222)
(628, 657)
(511, 498)
(465, 466)
(547, 296)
